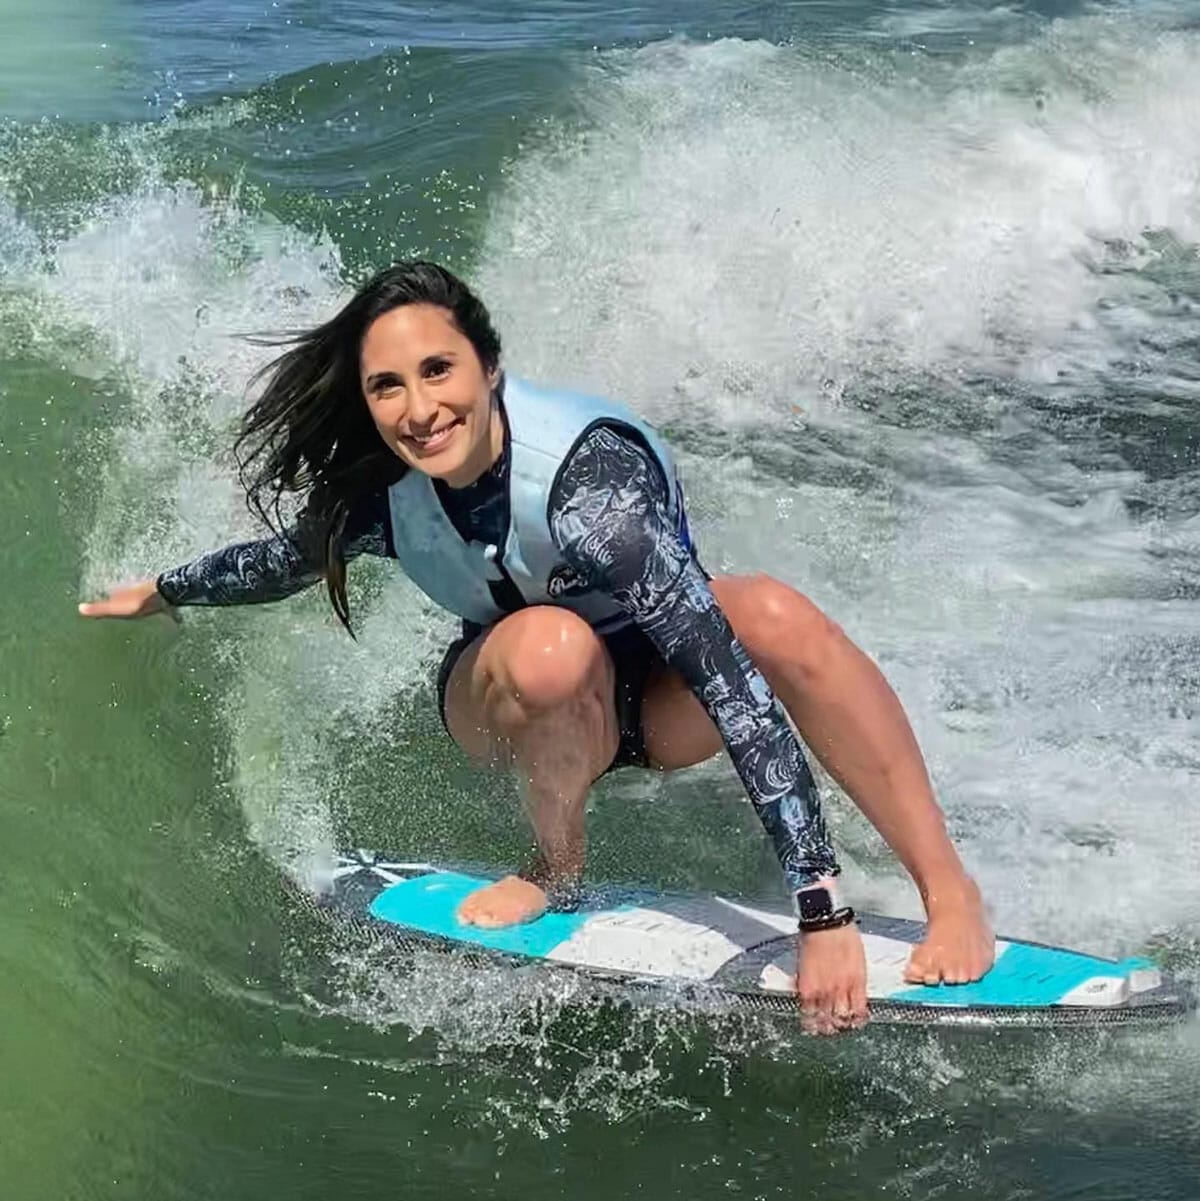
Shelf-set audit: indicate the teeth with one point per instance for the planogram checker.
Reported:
(434, 435)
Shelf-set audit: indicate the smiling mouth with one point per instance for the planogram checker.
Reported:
(432, 442)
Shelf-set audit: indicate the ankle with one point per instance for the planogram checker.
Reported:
(565, 872)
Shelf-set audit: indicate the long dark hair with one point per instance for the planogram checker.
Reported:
(309, 431)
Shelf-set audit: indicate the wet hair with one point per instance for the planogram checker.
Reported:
(310, 432)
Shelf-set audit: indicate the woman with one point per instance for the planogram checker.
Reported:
(553, 524)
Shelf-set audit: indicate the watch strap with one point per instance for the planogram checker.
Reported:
(840, 917)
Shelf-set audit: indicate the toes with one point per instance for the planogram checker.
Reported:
(922, 971)
(487, 917)
(923, 968)
(472, 913)
(949, 964)
(969, 968)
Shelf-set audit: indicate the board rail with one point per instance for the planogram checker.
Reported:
(361, 876)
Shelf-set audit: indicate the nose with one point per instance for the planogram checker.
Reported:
(422, 408)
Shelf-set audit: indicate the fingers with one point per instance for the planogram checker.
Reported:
(109, 607)
(843, 1007)
(834, 1016)
(815, 1021)
(815, 1015)
(859, 1012)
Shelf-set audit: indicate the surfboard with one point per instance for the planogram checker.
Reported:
(730, 953)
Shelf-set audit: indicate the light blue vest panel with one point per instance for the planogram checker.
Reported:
(544, 427)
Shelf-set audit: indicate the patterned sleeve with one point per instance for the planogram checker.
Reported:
(269, 569)
(608, 516)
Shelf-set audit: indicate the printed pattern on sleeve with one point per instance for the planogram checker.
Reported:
(269, 569)
(609, 517)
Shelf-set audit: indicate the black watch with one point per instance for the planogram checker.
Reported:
(820, 908)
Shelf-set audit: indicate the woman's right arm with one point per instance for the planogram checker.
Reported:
(244, 573)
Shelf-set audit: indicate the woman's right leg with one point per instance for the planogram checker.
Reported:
(535, 693)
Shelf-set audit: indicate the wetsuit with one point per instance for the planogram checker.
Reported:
(608, 517)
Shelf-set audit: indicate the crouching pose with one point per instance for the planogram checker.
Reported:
(553, 524)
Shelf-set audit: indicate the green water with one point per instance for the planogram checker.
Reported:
(960, 241)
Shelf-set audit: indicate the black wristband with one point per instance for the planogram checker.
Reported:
(837, 919)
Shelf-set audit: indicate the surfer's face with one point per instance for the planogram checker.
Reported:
(429, 395)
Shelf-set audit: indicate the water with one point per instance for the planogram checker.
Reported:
(915, 290)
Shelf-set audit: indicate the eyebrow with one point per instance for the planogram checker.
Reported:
(373, 381)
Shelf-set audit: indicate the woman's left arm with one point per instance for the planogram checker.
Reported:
(609, 517)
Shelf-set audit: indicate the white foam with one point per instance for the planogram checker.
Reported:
(780, 219)
(164, 281)
(746, 235)
(18, 243)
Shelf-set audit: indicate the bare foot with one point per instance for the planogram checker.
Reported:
(959, 944)
(505, 903)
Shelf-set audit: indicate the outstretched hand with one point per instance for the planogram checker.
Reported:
(135, 600)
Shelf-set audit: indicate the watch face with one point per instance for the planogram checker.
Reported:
(814, 903)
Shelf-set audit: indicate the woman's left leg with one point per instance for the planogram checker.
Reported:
(853, 723)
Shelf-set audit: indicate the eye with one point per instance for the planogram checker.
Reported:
(437, 369)
(386, 386)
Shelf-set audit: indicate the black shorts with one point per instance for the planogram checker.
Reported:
(634, 658)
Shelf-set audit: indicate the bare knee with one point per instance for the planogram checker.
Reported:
(774, 623)
(546, 659)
